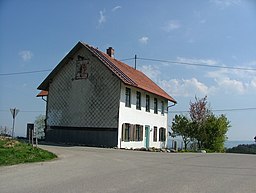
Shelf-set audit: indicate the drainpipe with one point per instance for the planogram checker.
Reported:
(167, 115)
(44, 99)
(171, 106)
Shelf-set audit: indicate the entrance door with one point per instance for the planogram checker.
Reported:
(147, 135)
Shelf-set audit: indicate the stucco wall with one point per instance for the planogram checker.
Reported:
(133, 116)
(89, 102)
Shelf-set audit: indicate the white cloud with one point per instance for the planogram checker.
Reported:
(225, 3)
(234, 81)
(253, 83)
(26, 55)
(151, 71)
(102, 18)
(232, 86)
(172, 25)
(144, 40)
(185, 87)
(116, 8)
(209, 62)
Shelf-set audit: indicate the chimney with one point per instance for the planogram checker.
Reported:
(110, 52)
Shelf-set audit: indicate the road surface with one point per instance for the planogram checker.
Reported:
(95, 170)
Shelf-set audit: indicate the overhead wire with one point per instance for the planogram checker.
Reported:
(222, 110)
(145, 59)
(153, 60)
(196, 64)
(25, 72)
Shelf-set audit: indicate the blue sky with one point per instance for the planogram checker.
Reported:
(36, 35)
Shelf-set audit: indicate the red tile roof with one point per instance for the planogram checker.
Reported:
(124, 72)
(42, 93)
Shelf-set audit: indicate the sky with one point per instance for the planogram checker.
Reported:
(36, 35)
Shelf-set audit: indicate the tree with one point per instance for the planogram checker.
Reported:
(181, 126)
(199, 112)
(216, 128)
(207, 129)
(40, 126)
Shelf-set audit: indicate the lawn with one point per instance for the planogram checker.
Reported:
(14, 152)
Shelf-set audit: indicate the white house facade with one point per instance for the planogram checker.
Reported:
(96, 100)
(142, 120)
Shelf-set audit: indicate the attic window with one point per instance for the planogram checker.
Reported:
(82, 68)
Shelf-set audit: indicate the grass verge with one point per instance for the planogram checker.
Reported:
(15, 152)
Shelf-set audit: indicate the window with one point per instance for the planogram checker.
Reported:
(155, 134)
(147, 103)
(126, 132)
(155, 106)
(138, 100)
(128, 97)
(132, 132)
(138, 133)
(162, 134)
(162, 107)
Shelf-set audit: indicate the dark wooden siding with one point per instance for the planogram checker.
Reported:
(97, 137)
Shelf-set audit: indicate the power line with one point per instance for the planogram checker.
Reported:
(127, 59)
(26, 72)
(196, 64)
(28, 111)
(146, 59)
(182, 111)
(222, 110)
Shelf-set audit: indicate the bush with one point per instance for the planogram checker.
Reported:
(246, 149)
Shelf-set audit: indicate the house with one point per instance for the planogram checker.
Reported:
(96, 100)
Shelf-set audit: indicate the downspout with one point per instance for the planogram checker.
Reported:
(44, 99)
(170, 106)
(46, 112)
(167, 115)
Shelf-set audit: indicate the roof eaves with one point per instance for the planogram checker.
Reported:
(45, 84)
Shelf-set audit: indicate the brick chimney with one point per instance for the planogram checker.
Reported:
(111, 52)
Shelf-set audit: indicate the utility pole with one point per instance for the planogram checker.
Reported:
(135, 58)
(14, 113)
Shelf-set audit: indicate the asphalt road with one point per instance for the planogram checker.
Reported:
(83, 169)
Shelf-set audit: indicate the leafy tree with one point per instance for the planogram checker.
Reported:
(207, 129)
(40, 126)
(181, 126)
(215, 128)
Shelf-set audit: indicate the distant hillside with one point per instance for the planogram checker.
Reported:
(247, 149)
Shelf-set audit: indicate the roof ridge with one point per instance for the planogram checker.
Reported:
(110, 65)
(127, 74)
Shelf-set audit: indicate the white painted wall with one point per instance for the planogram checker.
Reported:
(133, 116)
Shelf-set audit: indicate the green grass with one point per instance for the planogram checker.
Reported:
(15, 152)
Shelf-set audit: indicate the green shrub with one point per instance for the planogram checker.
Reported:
(247, 149)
